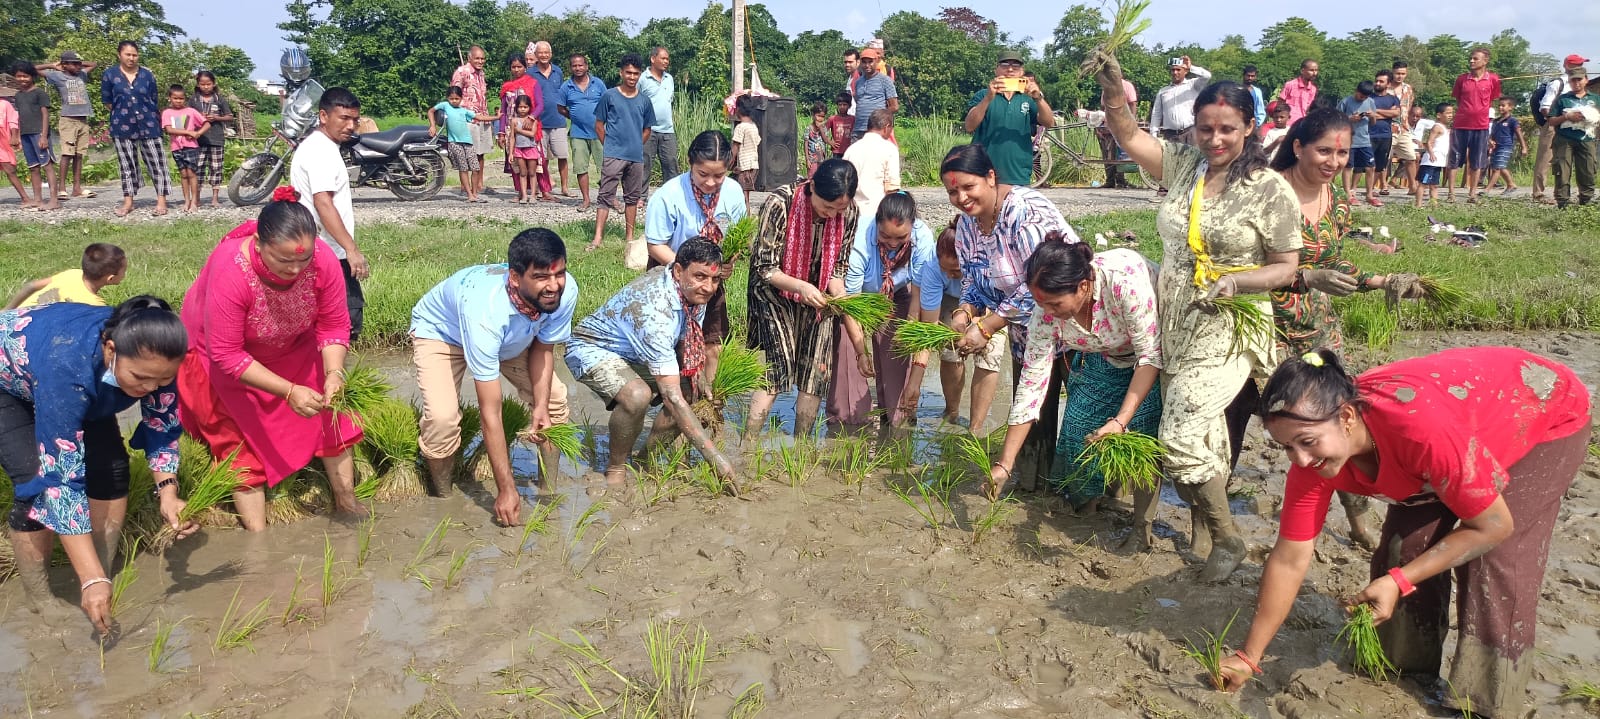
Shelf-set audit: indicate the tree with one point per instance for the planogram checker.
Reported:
(1277, 34)
(1081, 28)
(24, 30)
(712, 76)
(1510, 57)
(967, 21)
(814, 71)
(677, 35)
(938, 68)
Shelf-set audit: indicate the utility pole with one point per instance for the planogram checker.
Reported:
(738, 46)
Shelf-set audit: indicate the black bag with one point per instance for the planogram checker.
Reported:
(1537, 99)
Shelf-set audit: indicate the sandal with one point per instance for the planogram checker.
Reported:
(1384, 192)
(1375, 202)
(86, 194)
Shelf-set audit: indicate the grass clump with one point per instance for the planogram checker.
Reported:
(1252, 326)
(913, 336)
(1360, 635)
(868, 309)
(1208, 652)
(1130, 460)
(157, 655)
(670, 689)
(736, 240)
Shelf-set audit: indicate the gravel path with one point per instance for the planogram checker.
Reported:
(374, 206)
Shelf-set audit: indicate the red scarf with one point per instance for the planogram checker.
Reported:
(798, 236)
(259, 266)
(890, 265)
(521, 305)
(693, 348)
(708, 208)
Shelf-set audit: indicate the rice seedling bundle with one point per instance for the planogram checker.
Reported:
(1252, 326)
(868, 309)
(364, 389)
(566, 437)
(1130, 460)
(737, 238)
(1360, 635)
(515, 419)
(913, 336)
(740, 371)
(202, 489)
(1441, 295)
(390, 444)
(1583, 691)
(1126, 23)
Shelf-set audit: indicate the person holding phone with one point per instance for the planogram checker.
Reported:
(1003, 116)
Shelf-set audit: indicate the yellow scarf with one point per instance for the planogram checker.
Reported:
(1206, 270)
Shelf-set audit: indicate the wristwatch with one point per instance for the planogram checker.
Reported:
(168, 482)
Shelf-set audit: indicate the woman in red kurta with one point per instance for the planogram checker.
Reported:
(267, 306)
(1473, 448)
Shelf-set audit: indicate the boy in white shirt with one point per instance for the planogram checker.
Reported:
(1435, 146)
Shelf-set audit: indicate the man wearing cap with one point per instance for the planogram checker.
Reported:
(1547, 130)
(872, 89)
(1574, 145)
(1172, 111)
(71, 84)
(1003, 116)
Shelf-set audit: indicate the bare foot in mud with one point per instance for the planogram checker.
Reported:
(1142, 539)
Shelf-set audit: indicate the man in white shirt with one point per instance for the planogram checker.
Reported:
(1172, 113)
(1547, 132)
(318, 174)
(877, 162)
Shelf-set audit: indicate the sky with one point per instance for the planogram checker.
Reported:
(1556, 27)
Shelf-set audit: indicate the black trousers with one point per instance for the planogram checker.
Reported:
(105, 457)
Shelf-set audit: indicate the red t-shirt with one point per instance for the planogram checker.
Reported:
(1473, 98)
(842, 127)
(1446, 425)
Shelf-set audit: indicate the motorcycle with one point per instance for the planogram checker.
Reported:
(405, 160)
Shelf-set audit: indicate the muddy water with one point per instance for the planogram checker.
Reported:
(826, 599)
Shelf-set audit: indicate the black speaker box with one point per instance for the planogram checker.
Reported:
(780, 129)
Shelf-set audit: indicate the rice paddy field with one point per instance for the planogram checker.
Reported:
(856, 576)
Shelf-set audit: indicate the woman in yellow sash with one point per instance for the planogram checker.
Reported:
(1229, 227)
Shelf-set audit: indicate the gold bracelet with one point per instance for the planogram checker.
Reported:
(288, 392)
(986, 334)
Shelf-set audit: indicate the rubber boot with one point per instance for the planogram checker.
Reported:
(1142, 538)
(1199, 531)
(1228, 547)
(441, 476)
(1355, 510)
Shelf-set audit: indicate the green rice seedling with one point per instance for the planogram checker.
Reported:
(204, 490)
(677, 655)
(705, 477)
(1252, 326)
(364, 539)
(967, 449)
(737, 238)
(1371, 322)
(1126, 23)
(869, 309)
(567, 438)
(390, 444)
(1441, 295)
(750, 702)
(925, 501)
(580, 528)
(586, 520)
(853, 459)
(333, 582)
(538, 522)
(471, 423)
(458, 562)
(364, 389)
(796, 458)
(1360, 635)
(913, 336)
(1130, 460)
(156, 655)
(515, 418)
(425, 552)
(1208, 653)
(740, 371)
(1583, 691)
(289, 613)
(125, 578)
(993, 516)
(237, 628)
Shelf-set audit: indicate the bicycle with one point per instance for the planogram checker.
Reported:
(1080, 144)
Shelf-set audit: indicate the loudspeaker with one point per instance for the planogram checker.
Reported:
(775, 118)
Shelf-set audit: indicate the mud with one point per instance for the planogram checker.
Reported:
(825, 598)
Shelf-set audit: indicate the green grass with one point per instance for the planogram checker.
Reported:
(157, 655)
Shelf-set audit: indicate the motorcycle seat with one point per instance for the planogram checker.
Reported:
(389, 142)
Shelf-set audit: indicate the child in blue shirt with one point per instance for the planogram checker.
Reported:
(458, 135)
(1505, 134)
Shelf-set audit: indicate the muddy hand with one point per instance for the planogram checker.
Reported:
(998, 477)
(96, 603)
(1382, 594)
(1403, 286)
(1223, 287)
(171, 509)
(1105, 68)
(508, 509)
(1234, 673)
(1332, 282)
(724, 468)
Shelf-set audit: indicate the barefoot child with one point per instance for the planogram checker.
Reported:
(33, 123)
(1505, 133)
(10, 142)
(103, 265)
(210, 104)
(185, 125)
(1435, 152)
(458, 135)
(526, 159)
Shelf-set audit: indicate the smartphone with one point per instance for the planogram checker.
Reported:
(1014, 84)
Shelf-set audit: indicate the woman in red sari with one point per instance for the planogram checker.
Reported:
(269, 303)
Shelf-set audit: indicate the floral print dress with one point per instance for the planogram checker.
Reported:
(1304, 316)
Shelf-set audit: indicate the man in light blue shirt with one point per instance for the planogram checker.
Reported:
(580, 93)
(897, 248)
(657, 85)
(628, 352)
(1250, 75)
(493, 320)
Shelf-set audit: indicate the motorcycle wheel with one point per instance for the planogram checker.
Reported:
(424, 183)
(255, 179)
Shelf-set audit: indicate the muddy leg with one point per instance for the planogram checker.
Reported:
(1355, 510)
(106, 518)
(1413, 638)
(756, 422)
(342, 477)
(627, 421)
(1144, 516)
(441, 475)
(1227, 547)
(805, 414)
(1199, 532)
(32, 550)
(251, 504)
(662, 433)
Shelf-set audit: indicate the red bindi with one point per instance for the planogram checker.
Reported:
(299, 250)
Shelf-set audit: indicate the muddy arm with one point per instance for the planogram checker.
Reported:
(1280, 582)
(673, 401)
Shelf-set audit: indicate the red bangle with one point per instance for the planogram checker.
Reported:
(1253, 666)
(1406, 587)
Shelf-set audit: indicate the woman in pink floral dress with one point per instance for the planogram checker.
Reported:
(267, 306)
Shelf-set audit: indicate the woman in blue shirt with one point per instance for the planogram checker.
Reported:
(129, 92)
(894, 254)
(66, 370)
(702, 202)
